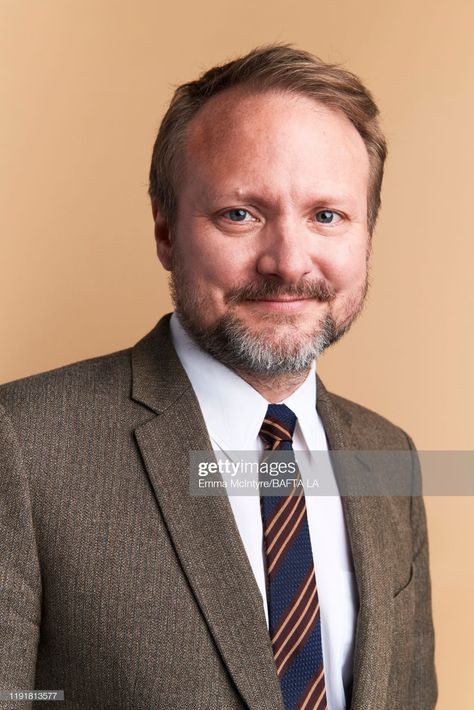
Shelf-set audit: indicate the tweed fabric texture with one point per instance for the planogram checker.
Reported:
(120, 588)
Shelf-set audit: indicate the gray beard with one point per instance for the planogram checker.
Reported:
(231, 342)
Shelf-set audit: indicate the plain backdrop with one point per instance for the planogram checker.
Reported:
(84, 84)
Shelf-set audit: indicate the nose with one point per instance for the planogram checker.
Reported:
(285, 252)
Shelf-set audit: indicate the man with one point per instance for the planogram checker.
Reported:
(120, 587)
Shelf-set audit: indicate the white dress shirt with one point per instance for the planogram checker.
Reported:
(233, 412)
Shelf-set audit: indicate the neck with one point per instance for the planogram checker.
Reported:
(274, 388)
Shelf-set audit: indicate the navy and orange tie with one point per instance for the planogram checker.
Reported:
(292, 596)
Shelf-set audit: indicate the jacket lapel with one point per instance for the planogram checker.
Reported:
(203, 529)
(365, 519)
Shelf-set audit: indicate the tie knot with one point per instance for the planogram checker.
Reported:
(278, 426)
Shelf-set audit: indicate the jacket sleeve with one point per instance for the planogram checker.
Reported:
(20, 579)
(423, 684)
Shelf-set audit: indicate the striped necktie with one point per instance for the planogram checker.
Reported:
(293, 605)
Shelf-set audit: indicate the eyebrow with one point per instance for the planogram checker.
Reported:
(249, 197)
(237, 196)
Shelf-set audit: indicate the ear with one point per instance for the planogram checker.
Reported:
(162, 238)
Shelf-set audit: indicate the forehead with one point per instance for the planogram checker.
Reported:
(240, 137)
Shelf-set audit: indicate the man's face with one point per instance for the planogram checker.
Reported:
(269, 252)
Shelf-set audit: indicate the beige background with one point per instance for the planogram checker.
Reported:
(83, 86)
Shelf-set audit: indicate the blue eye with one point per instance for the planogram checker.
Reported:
(327, 216)
(237, 215)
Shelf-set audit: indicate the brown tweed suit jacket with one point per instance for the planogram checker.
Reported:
(126, 592)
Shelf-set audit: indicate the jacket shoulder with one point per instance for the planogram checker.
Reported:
(61, 387)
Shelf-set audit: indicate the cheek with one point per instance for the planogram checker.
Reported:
(221, 265)
(216, 275)
(347, 266)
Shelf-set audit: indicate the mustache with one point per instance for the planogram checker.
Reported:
(317, 290)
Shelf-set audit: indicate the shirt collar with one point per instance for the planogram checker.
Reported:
(303, 403)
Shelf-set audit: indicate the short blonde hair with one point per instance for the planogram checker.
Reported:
(278, 67)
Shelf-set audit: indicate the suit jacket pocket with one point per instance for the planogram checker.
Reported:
(405, 586)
